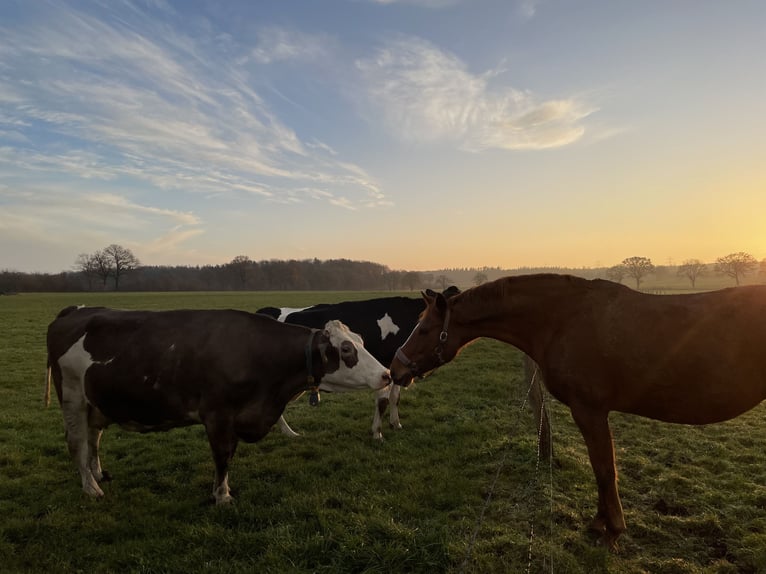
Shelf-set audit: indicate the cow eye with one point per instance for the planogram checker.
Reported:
(346, 347)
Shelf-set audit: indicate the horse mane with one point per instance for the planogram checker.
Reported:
(504, 287)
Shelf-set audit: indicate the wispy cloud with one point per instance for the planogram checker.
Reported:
(425, 94)
(154, 106)
(277, 44)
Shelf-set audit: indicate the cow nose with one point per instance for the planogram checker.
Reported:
(386, 378)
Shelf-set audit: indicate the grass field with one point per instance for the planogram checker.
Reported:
(459, 489)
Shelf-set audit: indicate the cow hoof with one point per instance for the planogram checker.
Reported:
(396, 425)
(224, 500)
(377, 436)
(93, 491)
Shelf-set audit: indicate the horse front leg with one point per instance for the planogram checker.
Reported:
(594, 426)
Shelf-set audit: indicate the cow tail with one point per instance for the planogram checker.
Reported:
(47, 395)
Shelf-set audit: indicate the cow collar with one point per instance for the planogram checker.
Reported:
(314, 397)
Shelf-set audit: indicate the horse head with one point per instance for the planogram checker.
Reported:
(429, 345)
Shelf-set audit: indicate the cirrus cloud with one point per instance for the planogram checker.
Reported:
(425, 94)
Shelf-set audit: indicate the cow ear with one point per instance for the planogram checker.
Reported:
(451, 291)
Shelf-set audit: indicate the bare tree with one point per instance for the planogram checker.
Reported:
(412, 280)
(692, 269)
(121, 260)
(480, 278)
(241, 265)
(442, 281)
(616, 273)
(86, 265)
(637, 267)
(102, 267)
(735, 265)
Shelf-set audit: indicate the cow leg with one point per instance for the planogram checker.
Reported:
(78, 437)
(94, 462)
(223, 443)
(381, 403)
(285, 428)
(393, 403)
(594, 426)
(96, 424)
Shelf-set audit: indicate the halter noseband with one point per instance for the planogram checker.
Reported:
(438, 350)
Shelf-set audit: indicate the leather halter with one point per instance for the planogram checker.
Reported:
(314, 397)
(438, 350)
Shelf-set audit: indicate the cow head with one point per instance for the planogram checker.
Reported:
(348, 365)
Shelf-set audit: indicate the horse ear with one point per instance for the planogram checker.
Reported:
(428, 294)
(441, 302)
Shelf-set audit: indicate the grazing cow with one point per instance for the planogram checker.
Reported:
(383, 323)
(231, 371)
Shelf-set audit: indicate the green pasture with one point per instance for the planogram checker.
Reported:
(459, 489)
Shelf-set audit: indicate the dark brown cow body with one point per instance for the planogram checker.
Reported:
(602, 347)
(231, 371)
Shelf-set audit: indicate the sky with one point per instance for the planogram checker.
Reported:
(418, 134)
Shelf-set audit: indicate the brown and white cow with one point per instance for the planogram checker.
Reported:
(231, 371)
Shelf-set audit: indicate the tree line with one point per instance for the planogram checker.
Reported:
(734, 265)
(117, 268)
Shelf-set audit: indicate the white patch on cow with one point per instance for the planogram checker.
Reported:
(366, 373)
(285, 311)
(387, 327)
(73, 364)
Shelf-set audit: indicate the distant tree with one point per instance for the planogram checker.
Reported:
(102, 267)
(393, 279)
(616, 273)
(735, 265)
(240, 266)
(121, 260)
(692, 269)
(442, 281)
(638, 268)
(86, 265)
(412, 280)
(480, 278)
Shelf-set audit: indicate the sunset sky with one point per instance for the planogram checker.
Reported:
(419, 134)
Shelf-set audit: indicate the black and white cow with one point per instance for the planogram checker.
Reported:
(231, 371)
(384, 325)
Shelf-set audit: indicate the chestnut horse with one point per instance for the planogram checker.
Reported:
(601, 347)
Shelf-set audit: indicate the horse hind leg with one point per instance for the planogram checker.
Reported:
(609, 521)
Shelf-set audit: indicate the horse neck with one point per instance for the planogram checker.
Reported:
(522, 312)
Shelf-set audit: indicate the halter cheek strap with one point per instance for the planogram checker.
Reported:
(438, 350)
